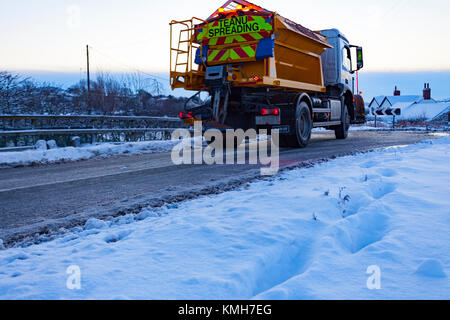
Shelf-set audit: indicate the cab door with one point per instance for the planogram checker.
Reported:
(346, 63)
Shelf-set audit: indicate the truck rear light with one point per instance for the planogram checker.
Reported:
(270, 112)
(184, 115)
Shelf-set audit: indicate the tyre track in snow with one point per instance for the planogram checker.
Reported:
(44, 198)
(354, 232)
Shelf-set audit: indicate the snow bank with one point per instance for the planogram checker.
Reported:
(305, 234)
(41, 145)
(95, 224)
(86, 152)
(432, 268)
(357, 128)
(368, 128)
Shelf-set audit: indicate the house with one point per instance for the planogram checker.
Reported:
(426, 111)
(387, 102)
(376, 102)
(415, 107)
(443, 117)
(401, 102)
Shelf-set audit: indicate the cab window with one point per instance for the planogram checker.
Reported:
(347, 59)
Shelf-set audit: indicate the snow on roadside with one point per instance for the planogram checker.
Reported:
(43, 156)
(368, 128)
(305, 234)
(398, 128)
(355, 128)
(86, 152)
(384, 127)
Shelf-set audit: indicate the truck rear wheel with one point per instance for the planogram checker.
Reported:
(341, 131)
(302, 128)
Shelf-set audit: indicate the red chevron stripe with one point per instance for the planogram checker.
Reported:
(221, 41)
(264, 33)
(220, 55)
(241, 53)
(248, 37)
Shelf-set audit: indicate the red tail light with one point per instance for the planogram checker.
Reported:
(184, 115)
(270, 112)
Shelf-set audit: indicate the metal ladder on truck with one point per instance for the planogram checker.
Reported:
(182, 55)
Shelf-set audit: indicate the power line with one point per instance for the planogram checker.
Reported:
(127, 65)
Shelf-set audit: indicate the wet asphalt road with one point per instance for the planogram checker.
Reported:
(52, 196)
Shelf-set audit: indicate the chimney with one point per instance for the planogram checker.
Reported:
(396, 92)
(427, 92)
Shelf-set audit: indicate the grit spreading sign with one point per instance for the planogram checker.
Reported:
(235, 25)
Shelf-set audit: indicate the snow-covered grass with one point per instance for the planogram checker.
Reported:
(85, 152)
(305, 234)
(384, 125)
(400, 126)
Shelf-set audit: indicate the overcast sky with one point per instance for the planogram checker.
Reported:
(397, 35)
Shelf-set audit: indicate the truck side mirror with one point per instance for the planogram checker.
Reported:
(359, 58)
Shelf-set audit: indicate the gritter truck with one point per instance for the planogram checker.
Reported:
(260, 70)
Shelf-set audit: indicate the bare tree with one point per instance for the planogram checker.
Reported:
(131, 94)
(8, 88)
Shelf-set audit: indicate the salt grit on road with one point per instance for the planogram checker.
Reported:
(304, 234)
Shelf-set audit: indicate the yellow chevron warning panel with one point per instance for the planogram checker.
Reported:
(274, 50)
(232, 54)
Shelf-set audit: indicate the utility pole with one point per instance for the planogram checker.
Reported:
(88, 79)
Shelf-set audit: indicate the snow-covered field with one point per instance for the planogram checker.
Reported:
(82, 153)
(305, 234)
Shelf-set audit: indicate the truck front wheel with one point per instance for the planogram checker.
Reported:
(341, 131)
(302, 128)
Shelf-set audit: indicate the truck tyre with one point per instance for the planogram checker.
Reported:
(302, 128)
(341, 131)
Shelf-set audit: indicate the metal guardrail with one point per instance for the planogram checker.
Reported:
(81, 131)
(20, 131)
(74, 132)
(26, 122)
(12, 149)
(85, 117)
